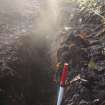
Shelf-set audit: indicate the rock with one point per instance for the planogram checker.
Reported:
(83, 102)
(85, 54)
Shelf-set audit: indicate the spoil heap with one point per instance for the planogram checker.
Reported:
(84, 50)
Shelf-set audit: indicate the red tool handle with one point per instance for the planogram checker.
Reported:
(64, 75)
